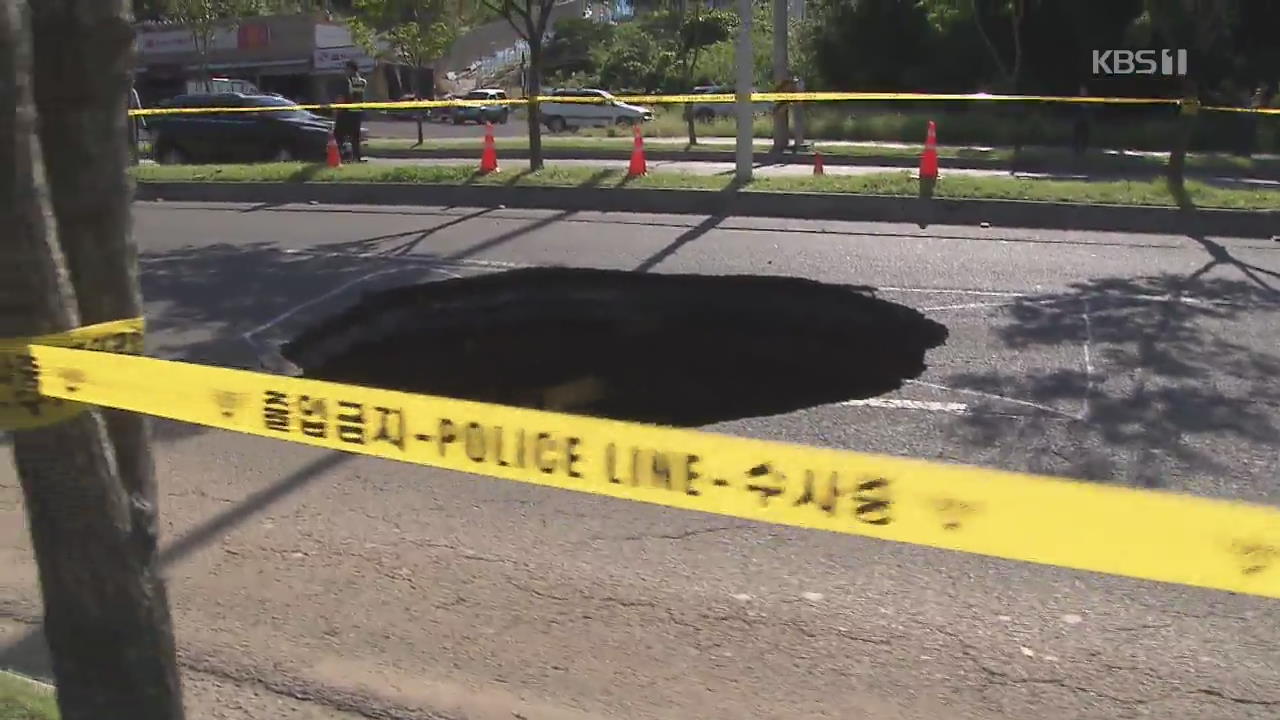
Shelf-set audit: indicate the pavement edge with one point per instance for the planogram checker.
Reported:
(814, 206)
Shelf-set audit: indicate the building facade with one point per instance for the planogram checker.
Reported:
(301, 57)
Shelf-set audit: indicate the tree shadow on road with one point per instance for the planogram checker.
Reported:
(222, 304)
(29, 653)
(1174, 367)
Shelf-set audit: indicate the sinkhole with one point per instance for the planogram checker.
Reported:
(682, 350)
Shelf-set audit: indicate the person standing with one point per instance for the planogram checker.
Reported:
(1249, 121)
(348, 123)
(137, 124)
(1083, 124)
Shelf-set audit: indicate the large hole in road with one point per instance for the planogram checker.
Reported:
(678, 350)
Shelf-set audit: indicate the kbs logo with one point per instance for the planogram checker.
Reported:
(1139, 62)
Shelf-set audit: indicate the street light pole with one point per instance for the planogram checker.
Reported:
(781, 74)
(745, 77)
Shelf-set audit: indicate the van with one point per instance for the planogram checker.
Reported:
(605, 110)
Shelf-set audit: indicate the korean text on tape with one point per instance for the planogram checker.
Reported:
(1143, 534)
(21, 406)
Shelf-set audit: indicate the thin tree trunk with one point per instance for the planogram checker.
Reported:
(1019, 11)
(781, 76)
(690, 67)
(533, 87)
(986, 39)
(93, 531)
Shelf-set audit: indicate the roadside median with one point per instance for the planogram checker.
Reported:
(24, 699)
(1119, 205)
(1030, 159)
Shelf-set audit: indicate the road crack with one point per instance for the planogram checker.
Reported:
(671, 536)
(1213, 693)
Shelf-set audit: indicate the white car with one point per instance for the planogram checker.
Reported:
(706, 112)
(606, 110)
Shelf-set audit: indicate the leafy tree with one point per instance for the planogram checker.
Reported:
(572, 44)
(529, 18)
(635, 60)
(415, 32)
(985, 15)
(204, 16)
(1200, 26)
(697, 32)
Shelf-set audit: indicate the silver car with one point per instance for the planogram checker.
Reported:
(605, 109)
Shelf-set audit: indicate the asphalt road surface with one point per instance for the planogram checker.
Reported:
(308, 584)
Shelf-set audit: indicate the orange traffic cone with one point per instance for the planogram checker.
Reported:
(638, 166)
(332, 157)
(489, 157)
(929, 159)
(817, 163)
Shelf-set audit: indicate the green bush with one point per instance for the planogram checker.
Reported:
(986, 127)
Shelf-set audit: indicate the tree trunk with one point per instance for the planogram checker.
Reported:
(533, 86)
(1015, 80)
(1185, 128)
(690, 67)
(976, 12)
(781, 76)
(90, 504)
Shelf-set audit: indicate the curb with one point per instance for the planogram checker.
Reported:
(814, 206)
(37, 685)
(806, 158)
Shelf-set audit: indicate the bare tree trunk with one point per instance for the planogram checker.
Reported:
(781, 76)
(533, 83)
(691, 65)
(90, 505)
(1019, 11)
(986, 39)
(1185, 128)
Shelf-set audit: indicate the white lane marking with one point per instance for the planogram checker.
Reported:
(293, 310)
(902, 404)
(968, 306)
(432, 261)
(1034, 296)
(993, 396)
(1088, 361)
(269, 355)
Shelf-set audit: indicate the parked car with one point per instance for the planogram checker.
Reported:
(607, 110)
(706, 112)
(498, 113)
(219, 85)
(442, 114)
(277, 135)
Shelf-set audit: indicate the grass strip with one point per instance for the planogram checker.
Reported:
(24, 700)
(1094, 160)
(1109, 192)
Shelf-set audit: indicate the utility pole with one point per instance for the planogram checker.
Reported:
(781, 75)
(798, 115)
(745, 76)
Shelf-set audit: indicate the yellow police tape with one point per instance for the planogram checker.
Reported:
(1157, 536)
(21, 405)
(779, 97)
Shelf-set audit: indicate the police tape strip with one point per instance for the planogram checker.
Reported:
(700, 99)
(1143, 534)
(21, 405)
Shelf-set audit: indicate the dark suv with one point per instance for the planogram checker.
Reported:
(271, 135)
(498, 113)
